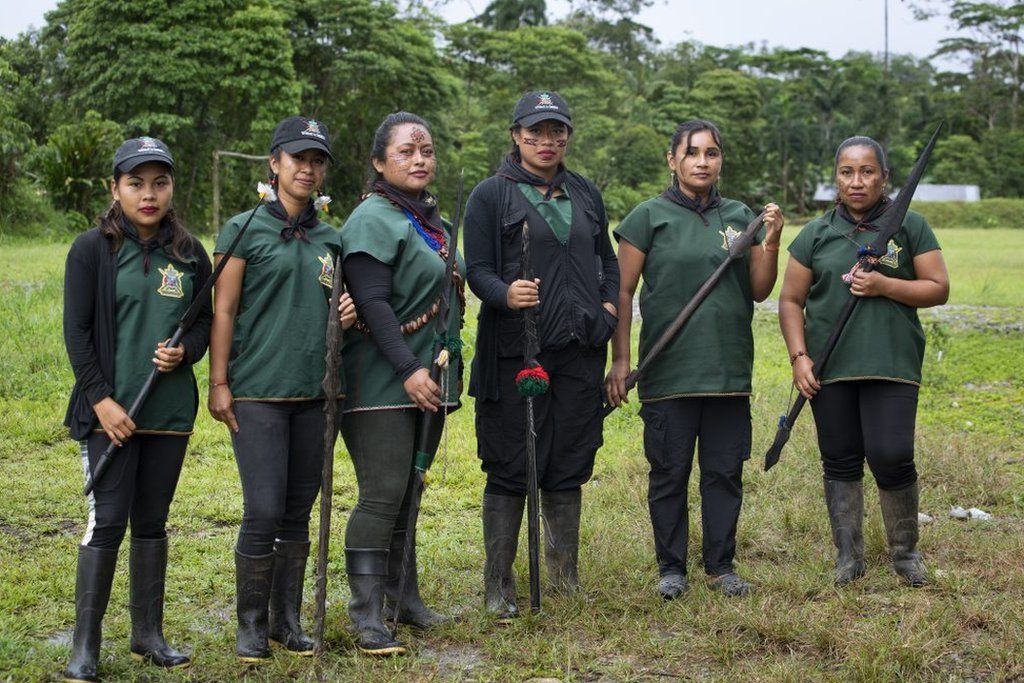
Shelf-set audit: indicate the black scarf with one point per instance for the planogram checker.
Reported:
(512, 169)
(676, 196)
(164, 235)
(867, 222)
(424, 207)
(294, 227)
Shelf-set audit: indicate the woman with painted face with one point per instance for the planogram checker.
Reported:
(574, 292)
(395, 248)
(865, 402)
(697, 391)
(266, 369)
(127, 282)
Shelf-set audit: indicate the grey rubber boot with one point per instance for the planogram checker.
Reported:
(147, 569)
(899, 512)
(414, 612)
(502, 517)
(561, 515)
(845, 502)
(92, 593)
(253, 578)
(367, 568)
(286, 597)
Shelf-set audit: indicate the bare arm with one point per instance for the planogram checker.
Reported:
(931, 288)
(631, 264)
(795, 286)
(764, 260)
(227, 294)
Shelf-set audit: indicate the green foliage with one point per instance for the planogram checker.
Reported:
(987, 213)
(74, 164)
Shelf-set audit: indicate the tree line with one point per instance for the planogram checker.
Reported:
(206, 75)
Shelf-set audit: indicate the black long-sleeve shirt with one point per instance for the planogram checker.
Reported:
(577, 277)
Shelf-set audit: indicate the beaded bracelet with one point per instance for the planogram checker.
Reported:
(793, 357)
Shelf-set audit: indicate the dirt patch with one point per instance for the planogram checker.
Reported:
(453, 659)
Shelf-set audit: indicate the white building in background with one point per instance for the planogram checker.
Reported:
(925, 193)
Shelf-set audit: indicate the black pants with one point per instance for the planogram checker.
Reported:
(567, 419)
(721, 427)
(382, 444)
(869, 420)
(138, 487)
(279, 448)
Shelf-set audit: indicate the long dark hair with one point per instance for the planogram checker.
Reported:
(685, 130)
(109, 225)
(382, 137)
(863, 141)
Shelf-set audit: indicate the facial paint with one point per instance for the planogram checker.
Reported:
(418, 135)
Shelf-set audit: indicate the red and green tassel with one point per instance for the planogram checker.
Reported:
(533, 380)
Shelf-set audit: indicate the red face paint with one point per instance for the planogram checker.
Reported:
(532, 142)
(418, 135)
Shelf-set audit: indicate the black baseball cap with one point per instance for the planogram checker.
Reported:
(297, 133)
(541, 105)
(137, 151)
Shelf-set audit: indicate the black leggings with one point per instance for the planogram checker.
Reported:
(869, 420)
(139, 486)
(279, 448)
(382, 445)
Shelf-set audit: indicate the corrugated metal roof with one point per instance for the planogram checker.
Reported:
(926, 192)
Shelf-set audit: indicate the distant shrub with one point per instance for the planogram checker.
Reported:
(997, 212)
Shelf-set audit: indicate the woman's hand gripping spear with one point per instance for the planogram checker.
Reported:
(738, 246)
(445, 351)
(888, 224)
(266, 193)
(332, 387)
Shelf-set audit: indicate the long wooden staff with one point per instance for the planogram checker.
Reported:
(531, 381)
(442, 354)
(737, 248)
(186, 321)
(332, 388)
(888, 225)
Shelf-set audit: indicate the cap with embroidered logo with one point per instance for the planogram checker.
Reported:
(297, 133)
(137, 151)
(540, 105)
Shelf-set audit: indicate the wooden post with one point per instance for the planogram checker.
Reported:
(217, 154)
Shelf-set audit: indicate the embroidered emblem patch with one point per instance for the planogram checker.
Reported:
(326, 270)
(148, 144)
(313, 128)
(544, 102)
(892, 255)
(170, 285)
(729, 236)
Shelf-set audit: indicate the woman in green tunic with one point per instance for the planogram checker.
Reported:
(267, 364)
(394, 247)
(126, 284)
(698, 388)
(865, 403)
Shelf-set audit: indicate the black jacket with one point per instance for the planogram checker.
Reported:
(90, 277)
(575, 278)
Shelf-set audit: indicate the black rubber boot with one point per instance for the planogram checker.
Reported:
(147, 566)
(92, 593)
(286, 597)
(845, 502)
(367, 569)
(253, 577)
(414, 612)
(502, 517)
(899, 512)
(561, 515)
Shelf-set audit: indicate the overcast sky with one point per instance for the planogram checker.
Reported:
(836, 26)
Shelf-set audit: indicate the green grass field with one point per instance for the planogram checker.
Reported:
(968, 624)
